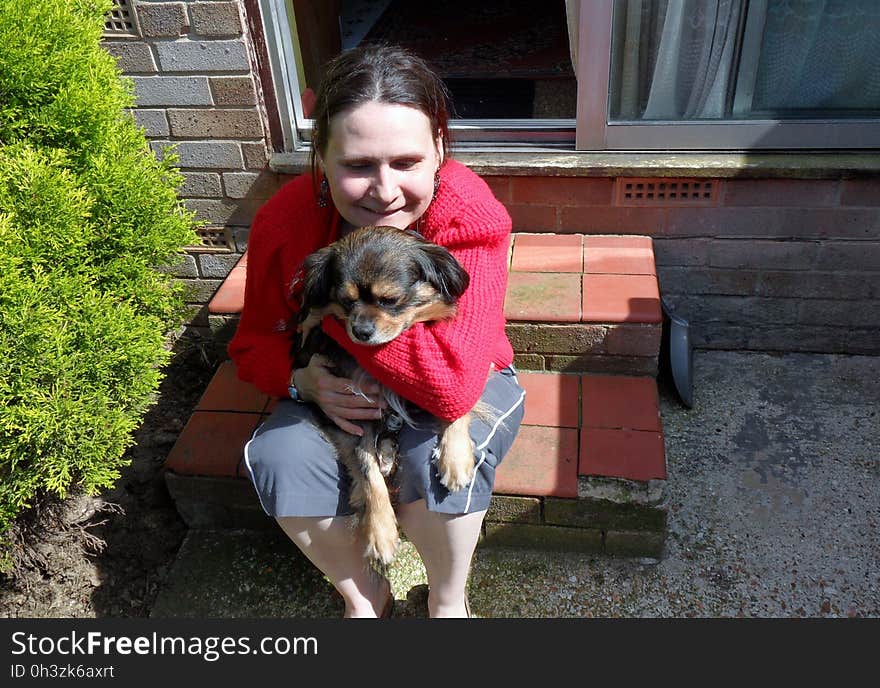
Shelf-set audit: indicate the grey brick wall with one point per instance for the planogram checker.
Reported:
(779, 265)
(196, 89)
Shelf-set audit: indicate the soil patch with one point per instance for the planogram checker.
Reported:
(107, 556)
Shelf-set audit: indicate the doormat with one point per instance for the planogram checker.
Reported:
(492, 39)
(491, 98)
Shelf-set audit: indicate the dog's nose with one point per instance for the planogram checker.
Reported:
(363, 330)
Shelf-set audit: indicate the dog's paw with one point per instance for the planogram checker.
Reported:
(382, 552)
(454, 455)
(455, 475)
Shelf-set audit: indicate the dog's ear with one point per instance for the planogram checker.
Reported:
(319, 275)
(442, 271)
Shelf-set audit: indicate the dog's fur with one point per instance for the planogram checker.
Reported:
(379, 281)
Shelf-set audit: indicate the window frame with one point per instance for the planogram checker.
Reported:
(590, 130)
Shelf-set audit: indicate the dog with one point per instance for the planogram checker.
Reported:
(379, 282)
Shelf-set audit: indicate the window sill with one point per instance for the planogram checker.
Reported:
(555, 163)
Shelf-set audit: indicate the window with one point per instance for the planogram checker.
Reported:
(731, 74)
(611, 74)
(509, 69)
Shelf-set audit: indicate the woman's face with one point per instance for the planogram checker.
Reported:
(380, 163)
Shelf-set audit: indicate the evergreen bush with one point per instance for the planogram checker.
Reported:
(89, 222)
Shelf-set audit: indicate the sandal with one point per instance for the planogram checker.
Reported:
(388, 609)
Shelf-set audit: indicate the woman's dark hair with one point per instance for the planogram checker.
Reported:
(378, 73)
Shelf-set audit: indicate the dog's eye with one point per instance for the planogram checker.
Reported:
(386, 302)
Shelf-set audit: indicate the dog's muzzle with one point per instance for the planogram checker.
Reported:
(363, 331)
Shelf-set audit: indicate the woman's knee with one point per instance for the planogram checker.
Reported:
(288, 440)
(295, 469)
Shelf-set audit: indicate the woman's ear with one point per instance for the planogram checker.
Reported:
(320, 162)
(438, 142)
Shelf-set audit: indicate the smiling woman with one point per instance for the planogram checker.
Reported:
(379, 161)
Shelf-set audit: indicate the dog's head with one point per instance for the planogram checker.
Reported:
(380, 281)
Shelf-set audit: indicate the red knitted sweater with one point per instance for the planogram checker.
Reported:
(442, 366)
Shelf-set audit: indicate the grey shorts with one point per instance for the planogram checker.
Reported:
(296, 473)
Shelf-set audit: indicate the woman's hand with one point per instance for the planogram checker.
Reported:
(334, 395)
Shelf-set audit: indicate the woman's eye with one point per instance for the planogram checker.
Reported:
(406, 164)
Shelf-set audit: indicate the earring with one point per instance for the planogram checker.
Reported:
(436, 183)
(322, 196)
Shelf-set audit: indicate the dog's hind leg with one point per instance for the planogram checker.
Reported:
(455, 454)
(387, 456)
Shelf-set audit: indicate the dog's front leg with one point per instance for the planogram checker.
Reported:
(455, 454)
(313, 318)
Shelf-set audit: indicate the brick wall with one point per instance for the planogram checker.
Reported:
(194, 70)
(767, 264)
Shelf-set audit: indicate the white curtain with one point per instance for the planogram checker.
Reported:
(682, 59)
(678, 57)
(573, 17)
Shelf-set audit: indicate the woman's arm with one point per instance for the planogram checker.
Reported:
(261, 345)
(442, 367)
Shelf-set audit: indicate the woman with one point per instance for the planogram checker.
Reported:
(379, 157)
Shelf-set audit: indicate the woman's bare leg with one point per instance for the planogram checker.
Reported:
(446, 544)
(332, 545)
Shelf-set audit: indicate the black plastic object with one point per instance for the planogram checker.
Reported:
(677, 353)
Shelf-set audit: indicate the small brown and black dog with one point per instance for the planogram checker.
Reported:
(379, 281)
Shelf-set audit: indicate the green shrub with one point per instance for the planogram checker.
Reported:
(88, 221)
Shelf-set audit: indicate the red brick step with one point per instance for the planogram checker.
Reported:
(588, 468)
(575, 428)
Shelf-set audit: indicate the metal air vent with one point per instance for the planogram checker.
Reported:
(667, 192)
